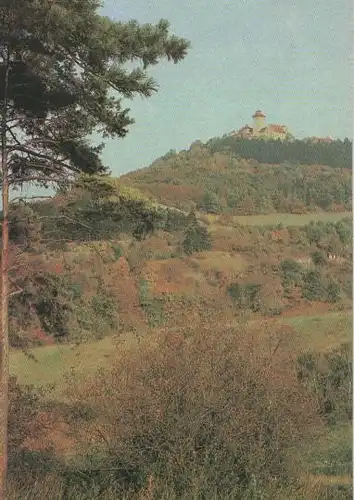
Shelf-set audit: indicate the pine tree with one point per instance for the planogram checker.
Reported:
(62, 76)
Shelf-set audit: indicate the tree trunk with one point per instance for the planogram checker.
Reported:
(4, 299)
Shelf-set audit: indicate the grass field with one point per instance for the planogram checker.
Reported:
(327, 459)
(220, 261)
(332, 455)
(51, 363)
(284, 219)
(321, 333)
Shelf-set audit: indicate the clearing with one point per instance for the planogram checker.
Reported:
(284, 219)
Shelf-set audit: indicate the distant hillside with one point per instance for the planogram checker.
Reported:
(335, 153)
(213, 178)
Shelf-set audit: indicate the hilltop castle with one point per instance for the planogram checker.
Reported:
(261, 130)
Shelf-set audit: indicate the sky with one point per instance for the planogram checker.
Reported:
(292, 59)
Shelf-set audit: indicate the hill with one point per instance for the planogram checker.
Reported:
(120, 262)
(220, 177)
(130, 313)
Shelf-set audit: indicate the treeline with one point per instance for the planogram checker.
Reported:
(336, 154)
(285, 189)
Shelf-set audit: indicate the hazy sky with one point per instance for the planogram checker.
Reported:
(290, 58)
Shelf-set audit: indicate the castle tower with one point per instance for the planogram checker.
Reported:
(258, 121)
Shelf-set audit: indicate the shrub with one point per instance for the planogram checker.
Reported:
(319, 258)
(210, 203)
(333, 291)
(246, 296)
(153, 306)
(291, 273)
(24, 226)
(103, 307)
(117, 251)
(197, 417)
(196, 239)
(50, 296)
(329, 377)
(23, 411)
(312, 286)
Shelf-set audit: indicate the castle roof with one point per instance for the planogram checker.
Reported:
(259, 113)
(280, 129)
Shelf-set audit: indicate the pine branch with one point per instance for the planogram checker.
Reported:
(31, 152)
(44, 179)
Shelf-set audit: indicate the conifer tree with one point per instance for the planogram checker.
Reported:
(63, 74)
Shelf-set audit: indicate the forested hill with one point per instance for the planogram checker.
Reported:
(250, 177)
(337, 154)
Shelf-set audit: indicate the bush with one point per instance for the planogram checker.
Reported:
(329, 377)
(24, 407)
(103, 307)
(24, 226)
(197, 417)
(312, 286)
(319, 258)
(48, 294)
(333, 292)
(117, 251)
(246, 296)
(291, 273)
(196, 239)
(152, 306)
(210, 203)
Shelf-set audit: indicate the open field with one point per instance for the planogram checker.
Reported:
(51, 363)
(320, 333)
(327, 461)
(332, 454)
(284, 219)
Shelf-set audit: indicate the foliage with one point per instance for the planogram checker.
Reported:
(117, 251)
(222, 182)
(23, 409)
(329, 377)
(198, 415)
(90, 219)
(95, 208)
(55, 302)
(284, 285)
(24, 226)
(319, 258)
(49, 296)
(196, 237)
(337, 154)
(26, 406)
(246, 296)
(210, 203)
(57, 77)
(291, 273)
(103, 307)
(153, 306)
(333, 292)
(312, 285)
